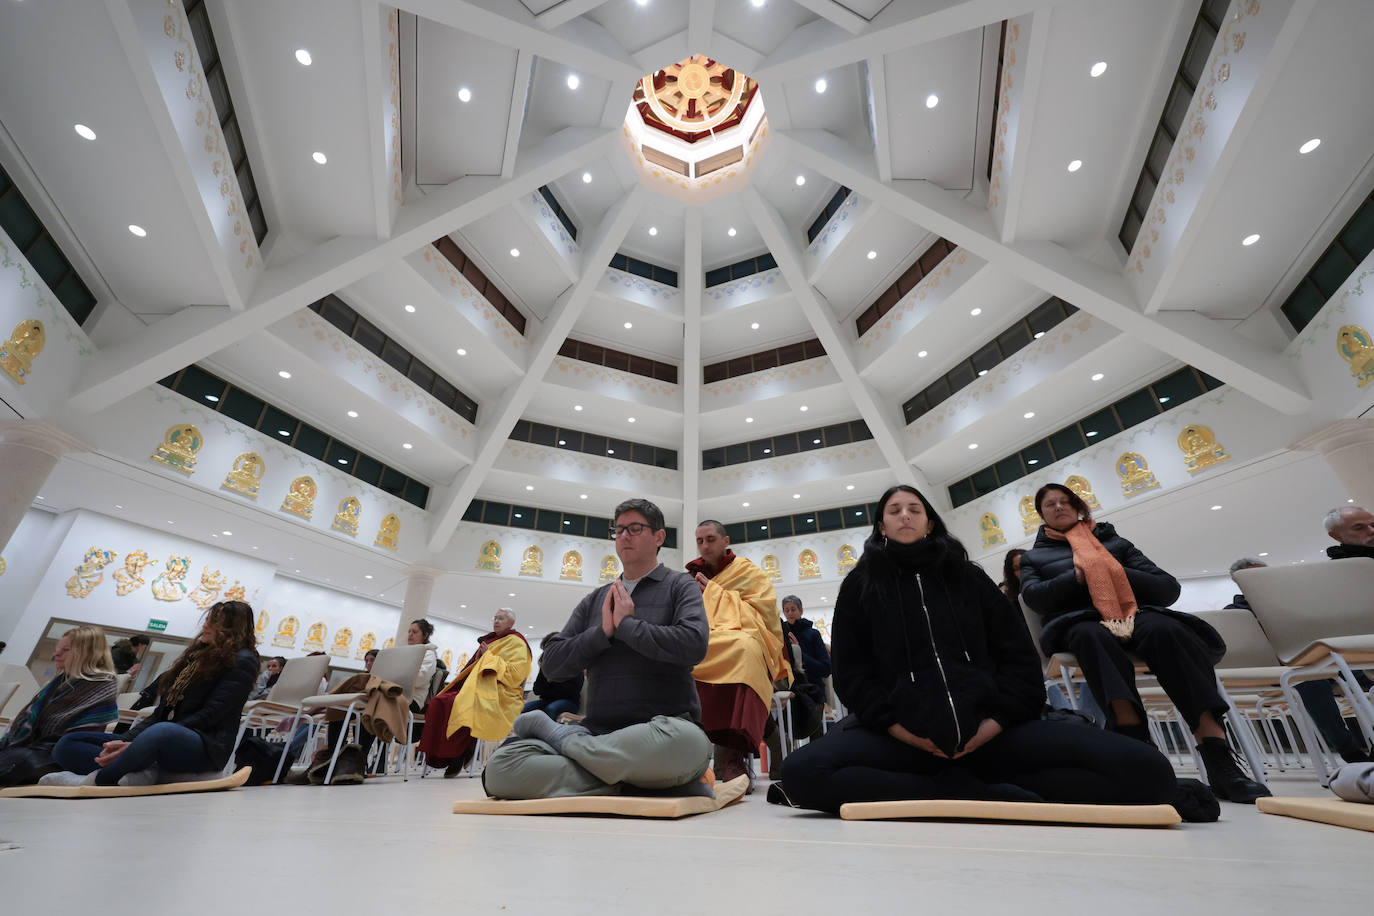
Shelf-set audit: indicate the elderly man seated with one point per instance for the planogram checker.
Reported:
(637, 639)
(482, 700)
(746, 652)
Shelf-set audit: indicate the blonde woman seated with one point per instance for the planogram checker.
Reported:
(80, 698)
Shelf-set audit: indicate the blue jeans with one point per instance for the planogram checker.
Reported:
(173, 748)
(551, 708)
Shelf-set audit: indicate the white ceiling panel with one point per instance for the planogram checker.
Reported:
(937, 144)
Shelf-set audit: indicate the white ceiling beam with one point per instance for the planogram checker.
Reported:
(733, 54)
(515, 120)
(841, 16)
(822, 319)
(374, 54)
(701, 17)
(689, 459)
(581, 44)
(1209, 345)
(882, 131)
(116, 372)
(820, 46)
(566, 11)
(502, 417)
(1027, 96)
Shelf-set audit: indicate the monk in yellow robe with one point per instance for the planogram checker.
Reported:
(746, 653)
(483, 699)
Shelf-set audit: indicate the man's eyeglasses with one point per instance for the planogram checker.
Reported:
(634, 528)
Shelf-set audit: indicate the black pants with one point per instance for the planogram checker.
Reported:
(1175, 654)
(365, 737)
(1058, 761)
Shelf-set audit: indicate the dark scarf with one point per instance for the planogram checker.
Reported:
(699, 565)
(1347, 551)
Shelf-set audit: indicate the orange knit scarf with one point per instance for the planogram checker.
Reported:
(1108, 586)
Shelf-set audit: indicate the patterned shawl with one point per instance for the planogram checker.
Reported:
(62, 705)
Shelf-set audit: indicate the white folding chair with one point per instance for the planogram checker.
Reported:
(7, 690)
(298, 680)
(399, 666)
(1319, 618)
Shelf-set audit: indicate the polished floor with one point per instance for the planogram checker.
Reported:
(393, 847)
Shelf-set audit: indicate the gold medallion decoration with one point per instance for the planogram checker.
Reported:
(236, 592)
(3, 566)
(808, 565)
(771, 567)
(1136, 476)
(693, 97)
(388, 532)
(261, 628)
(286, 633)
(314, 637)
(245, 475)
(992, 530)
(343, 642)
(17, 353)
(489, 558)
(390, 643)
(572, 566)
(1200, 448)
(90, 573)
(532, 562)
(300, 497)
(178, 448)
(848, 558)
(1030, 519)
(168, 585)
(130, 578)
(1356, 348)
(366, 644)
(1084, 490)
(610, 568)
(207, 592)
(823, 627)
(346, 519)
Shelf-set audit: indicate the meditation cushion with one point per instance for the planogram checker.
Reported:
(620, 805)
(1035, 812)
(1332, 811)
(171, 788)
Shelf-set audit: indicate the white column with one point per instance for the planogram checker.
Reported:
(29, 450)
(1348, 446)
(419, 589)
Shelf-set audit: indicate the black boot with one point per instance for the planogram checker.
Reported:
(1224, 774)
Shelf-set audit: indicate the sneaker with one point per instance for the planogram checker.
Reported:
(65, 778)
(146, 777)
(1224, 774)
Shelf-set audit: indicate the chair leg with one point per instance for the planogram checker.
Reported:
(1241, 729)
(1311, 738)
(1359, 700)
(338, 745)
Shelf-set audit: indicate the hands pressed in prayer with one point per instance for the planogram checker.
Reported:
(109, 751)
(987, 730)
(702, 582)
(792, 638)
(607, 615)
(623, 605)
(923, 744)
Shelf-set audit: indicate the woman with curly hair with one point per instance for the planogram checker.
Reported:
(200, 699)
(81, 698)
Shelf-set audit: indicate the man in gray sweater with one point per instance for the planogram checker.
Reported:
(638, 639)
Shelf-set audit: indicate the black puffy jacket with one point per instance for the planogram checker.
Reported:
(1051, 589)
(210, 707)
(930, 643)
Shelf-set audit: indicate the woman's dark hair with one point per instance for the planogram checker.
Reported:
(234, 631)
(1011, 581)
(953, 549)
(1074, 499)
(370, 653)
(426, 628)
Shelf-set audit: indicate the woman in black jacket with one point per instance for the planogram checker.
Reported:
(1101, 617)
(200, 700)
(946, 691)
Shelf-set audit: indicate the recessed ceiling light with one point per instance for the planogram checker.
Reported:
(284, 374)
(462, 605)
(821, 84)
(510, 594)
(40, 496)
(982, 372)
(519, 515)
(87, 134)
(119, 507)
(1306, 148)
(582, 496)
(577, 407)
(212, 398)
(353, 414)
(1097, 376)
(1264, 554)
(343, 461)
(406, 445)
(284, 432)
(529, 486)
(303, 57)
(730, 232)
(573, 81)
(1164, 400)
(1098, 68)
(932, 100)
(610, 451)
(169, 521)
(1032, 461)
(562, 441)
(1215, 508)
(138, 231)
(566, 522)
(515, 252)
(227, 534)
(815, 442)
(1028, 414)
(972, 445)
(745, 505)
(1091, 433)
(461, 351)
(586, 177)
(796, 496)
(1250, 239)
(1351, 500)
(629, 325)
(872, 255)
(319, 157)
(748, 419)
(757, 4)
(465, 94)
(922, 354)
(768, 451)
(410, 309)
(849, 487)
(763, 527)
(812, 520)
(801, 180)
(637, 3)
(1075, 165)
(653, 230)
(629, 419)
(803, 408)
(367, 575)
(975, 312)
(1039, 334)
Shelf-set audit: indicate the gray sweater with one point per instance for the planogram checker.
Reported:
(645, 670)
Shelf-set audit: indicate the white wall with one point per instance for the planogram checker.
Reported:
(27, 557)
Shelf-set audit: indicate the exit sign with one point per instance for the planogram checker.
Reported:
(158, 625)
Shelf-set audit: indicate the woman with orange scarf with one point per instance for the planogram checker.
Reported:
(1103, 600)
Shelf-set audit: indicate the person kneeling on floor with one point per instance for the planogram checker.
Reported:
(192, 730)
